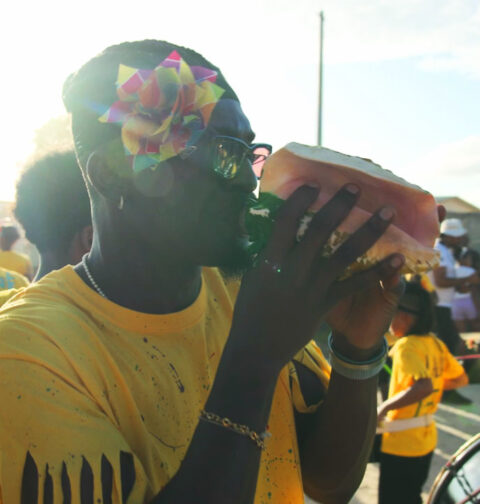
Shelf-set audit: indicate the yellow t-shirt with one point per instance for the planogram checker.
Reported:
(15, 261)
(6, 295)
(416, 357)
(11, 280)
(91, 390)
(426, 283)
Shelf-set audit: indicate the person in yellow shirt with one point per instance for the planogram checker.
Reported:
(141, 400)
(422, 369)
(52, 205)
(9, 259)
(144, 374)
(384, 377)
(11, 280)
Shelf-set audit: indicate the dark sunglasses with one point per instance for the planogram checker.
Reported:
(229, 154)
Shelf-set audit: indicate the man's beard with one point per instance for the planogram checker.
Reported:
(237, 263)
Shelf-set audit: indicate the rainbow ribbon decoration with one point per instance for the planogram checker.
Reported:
(162, 111)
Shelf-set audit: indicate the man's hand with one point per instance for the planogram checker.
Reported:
(286, 296)
(361, 319)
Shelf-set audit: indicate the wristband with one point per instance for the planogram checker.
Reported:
(357, 370)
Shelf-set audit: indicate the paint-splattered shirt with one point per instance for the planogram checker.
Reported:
(101, 398)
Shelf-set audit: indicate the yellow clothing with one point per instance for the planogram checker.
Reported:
(15, 261)
(11, 280)
(416, 357)
(6, 295)
(87, 385)
(425, 281)
(391, 338)
(11, 283)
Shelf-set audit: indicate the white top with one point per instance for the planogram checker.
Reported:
(447, 261)
(463, 272)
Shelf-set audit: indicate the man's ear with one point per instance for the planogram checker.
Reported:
(106, 179)
(86, 239)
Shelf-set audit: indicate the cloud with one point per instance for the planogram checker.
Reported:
(442, 34)
(455, 159)
(451, 169)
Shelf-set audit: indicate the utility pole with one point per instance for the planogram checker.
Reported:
(320, 83)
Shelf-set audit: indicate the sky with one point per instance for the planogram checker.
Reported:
(401, 77)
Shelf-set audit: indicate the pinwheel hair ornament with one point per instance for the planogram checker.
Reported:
(162, 111)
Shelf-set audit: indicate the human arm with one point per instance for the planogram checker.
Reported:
(466, 272)
(360, 321)
(276, 315)
(335, 442)
(350, 407)
(464, 288)
(443, 281)
(221, 466)
(420, 389)
(453, 383)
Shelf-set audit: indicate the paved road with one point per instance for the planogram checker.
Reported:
(455, 425)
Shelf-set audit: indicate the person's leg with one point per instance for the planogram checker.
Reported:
(402, 478)
(389, 478)
(422, 470)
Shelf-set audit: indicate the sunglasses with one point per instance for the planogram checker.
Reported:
(229, 154)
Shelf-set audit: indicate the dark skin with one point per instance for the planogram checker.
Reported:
(164, 238)
(55, 259)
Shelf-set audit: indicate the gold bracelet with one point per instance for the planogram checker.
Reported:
(258, 439)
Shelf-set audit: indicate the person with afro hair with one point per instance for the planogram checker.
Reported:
(52, 205)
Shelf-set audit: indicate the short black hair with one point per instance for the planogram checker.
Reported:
(52, 203)
(418, 301)
(92, 89)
